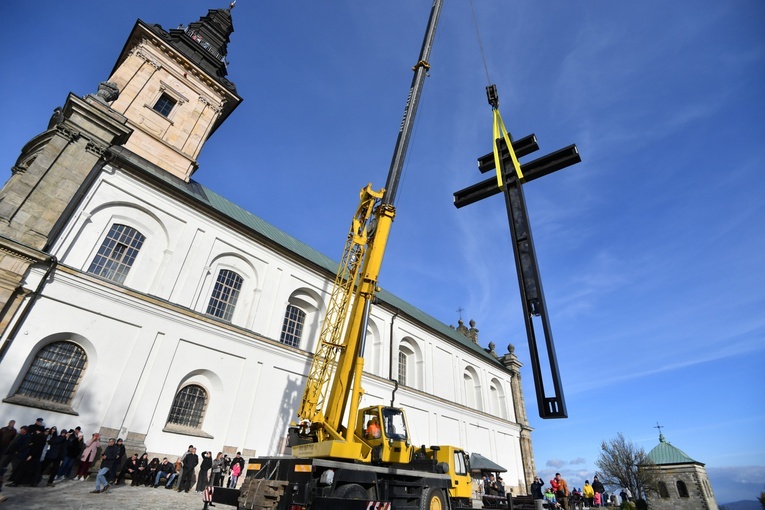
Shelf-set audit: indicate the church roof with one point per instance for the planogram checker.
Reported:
(664, 453)
(233, 212)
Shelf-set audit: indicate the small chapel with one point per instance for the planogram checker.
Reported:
(683, 483)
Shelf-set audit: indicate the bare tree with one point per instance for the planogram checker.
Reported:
(622, 464)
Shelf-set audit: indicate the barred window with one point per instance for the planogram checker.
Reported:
(189, 407)
(294, 318)
(164, 105)
(117, 253)
(55, 373)
(225, 294)
(402, 368)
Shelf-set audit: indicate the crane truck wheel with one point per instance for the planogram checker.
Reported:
(433, 499)
(351, 491)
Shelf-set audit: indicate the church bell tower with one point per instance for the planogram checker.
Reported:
(173, 89)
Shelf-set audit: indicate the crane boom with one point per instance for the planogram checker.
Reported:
(410, 110)
(334, 379)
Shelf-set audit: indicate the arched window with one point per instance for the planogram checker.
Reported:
(472, 386)
(682, 490)
(292, 328)
(663, 492)
(402, 368)
(497, 403)
(189, 407)
(225, 294)
(410, 364)
(117, 253)
(55, 373)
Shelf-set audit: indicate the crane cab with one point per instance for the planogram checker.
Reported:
(385, 431)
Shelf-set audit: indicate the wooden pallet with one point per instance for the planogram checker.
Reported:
(260, 494)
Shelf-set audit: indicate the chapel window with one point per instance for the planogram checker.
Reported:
(55, 373)
(189, 405)
(225, 294)
(402, 368)
(117, 253)
(292, 328)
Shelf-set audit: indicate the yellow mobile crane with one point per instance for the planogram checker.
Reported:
(367, 457)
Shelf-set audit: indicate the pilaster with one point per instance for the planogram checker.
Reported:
(511, 362)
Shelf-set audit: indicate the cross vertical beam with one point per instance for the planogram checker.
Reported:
(532, 295)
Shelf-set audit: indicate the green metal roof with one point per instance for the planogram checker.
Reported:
(664, 453)
(210, 199)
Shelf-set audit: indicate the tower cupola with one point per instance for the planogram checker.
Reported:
(205, 42)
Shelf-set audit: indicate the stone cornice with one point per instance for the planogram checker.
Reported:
(22, 251)
(141, 52)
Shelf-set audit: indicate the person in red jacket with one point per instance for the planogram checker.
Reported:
(561, 494)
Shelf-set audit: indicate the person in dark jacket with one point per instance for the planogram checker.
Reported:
(167, 470)
(598, 487)
(71, 452)
(226, 467)
(16, 451)
(139, 478)
(108, 459)
(536, 488)
(6, 436)
(204, 469)
(130, 468)
(56, 449)
(37, 425)
(120, 460)
(152, 471)
(190, 462)
(240, 461)
(27, 470)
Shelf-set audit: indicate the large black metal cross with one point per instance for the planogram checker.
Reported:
(529, 280)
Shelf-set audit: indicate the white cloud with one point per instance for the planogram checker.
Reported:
(735, 483)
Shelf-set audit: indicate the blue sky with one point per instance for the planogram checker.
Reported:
(651, 250)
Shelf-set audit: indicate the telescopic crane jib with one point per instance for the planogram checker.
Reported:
(334, 379)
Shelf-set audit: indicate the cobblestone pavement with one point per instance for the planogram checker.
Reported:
(71, 495)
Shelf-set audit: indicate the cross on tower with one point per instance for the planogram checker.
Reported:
(529, 281)
(658, 427)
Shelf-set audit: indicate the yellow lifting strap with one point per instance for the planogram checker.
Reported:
(501, 131)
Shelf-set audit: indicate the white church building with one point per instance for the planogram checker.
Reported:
(140, 304)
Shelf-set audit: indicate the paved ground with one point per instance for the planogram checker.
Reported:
(71, 495)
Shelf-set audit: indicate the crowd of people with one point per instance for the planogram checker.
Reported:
(557, 494)
(36, 451)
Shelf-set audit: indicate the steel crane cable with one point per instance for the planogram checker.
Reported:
(499, 130)
(480, 43)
